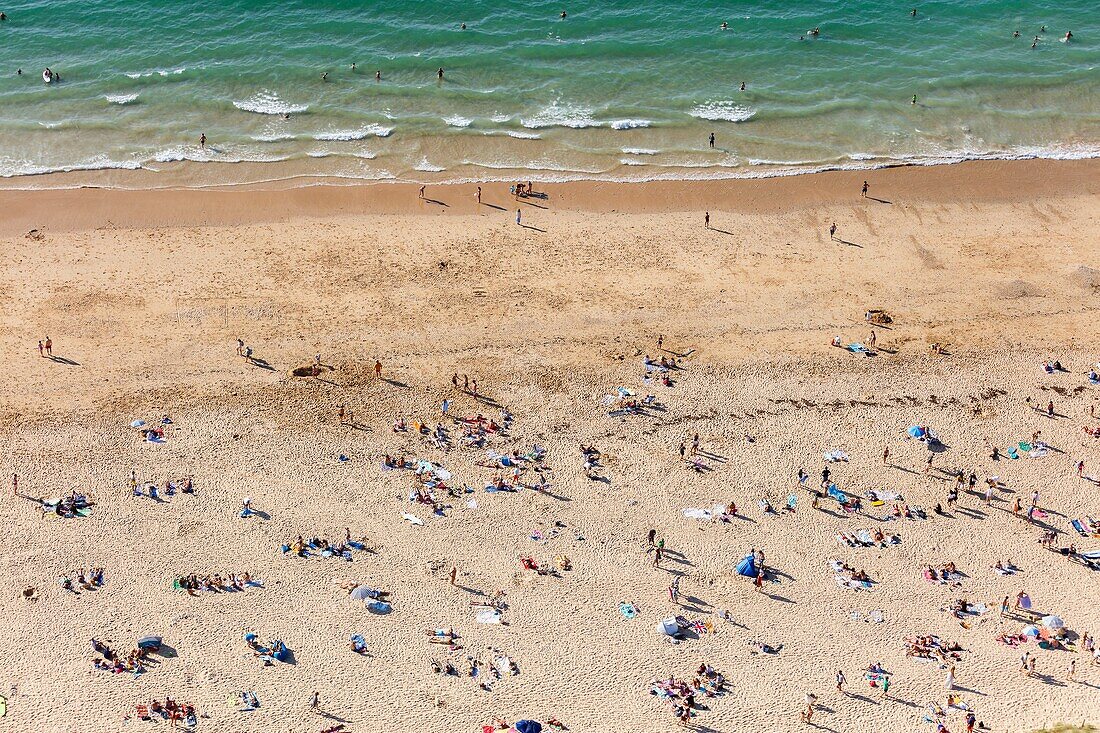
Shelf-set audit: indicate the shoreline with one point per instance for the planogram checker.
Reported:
(979, 181)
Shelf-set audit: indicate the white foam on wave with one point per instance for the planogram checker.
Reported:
(196, 154)
(428, 167)
(156, 72)
(640, 151)
(500, 118)
(274, 138)
(120, 98)
(458, 121)
(632, 161)
(10, 167)
(629, 124)
(362, 133)
(725, 111)
(561, 115)
(523, 135)
(269, 103)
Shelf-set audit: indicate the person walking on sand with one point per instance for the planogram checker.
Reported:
(832, 232)
(421, 193)
(341, 414)
(694, 444)
(519, 217)
(928, 464)
(885, 455)
(202, 141)
(240, 347)
(706, 220)
(15, 484)
(42, 351)
(758, 582)
(658, 553)
(872, 339)
(49, 346)
(454, 573)
(683, 449)
(840, 680)
(712, 139)
(1080, 468)
(473, 389)
(1071, 673)
(886, 688)
(479, 195)
(377, 369)
(445, 406)
(454, 381)
(315, 702)
(1050, 408)
(863, 192)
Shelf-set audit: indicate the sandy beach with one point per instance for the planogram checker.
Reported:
(563, 322)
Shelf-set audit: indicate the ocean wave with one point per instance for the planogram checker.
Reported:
(523, 135)
(156, 72)
(280, 137)
(640, 151)
(726, 111)
(269, 103)
(500, 118)
(561, 115)
(11, 168)
(371, 130)
(428, 167)
(628, 124)
(458, 121)
(632, 161)
(120, 98)
(195, 154)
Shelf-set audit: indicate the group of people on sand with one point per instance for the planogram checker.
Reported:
(216, 583)
(90, 580)
(110, 661)
(681, 694)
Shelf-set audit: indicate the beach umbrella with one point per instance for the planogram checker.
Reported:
(361, 593)
(1030, 630)
(1053, 622)
(528, 726)
(137, 424)
(915, 431)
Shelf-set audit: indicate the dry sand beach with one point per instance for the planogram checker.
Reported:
(145, 293)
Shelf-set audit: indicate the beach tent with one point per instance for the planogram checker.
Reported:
(668, 627)
(747, 566)
(528, 726)
(149, 642)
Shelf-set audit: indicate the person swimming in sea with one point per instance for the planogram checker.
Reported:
(814, 33)
(462, 27)
(1015, 34)
(563, 15)
(725, 25)
(742, 86)
(324, 76)
(913, 12)
(440, 73)
(378, 75)
(353, 66)
(914, 99)
(1069, 35)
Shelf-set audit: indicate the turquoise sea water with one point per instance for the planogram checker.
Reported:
(618, 89)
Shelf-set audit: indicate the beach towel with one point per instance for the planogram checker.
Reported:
(412, 519)
(628, 610)
(488, 616)
(1077, 525)
(1093, 555)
